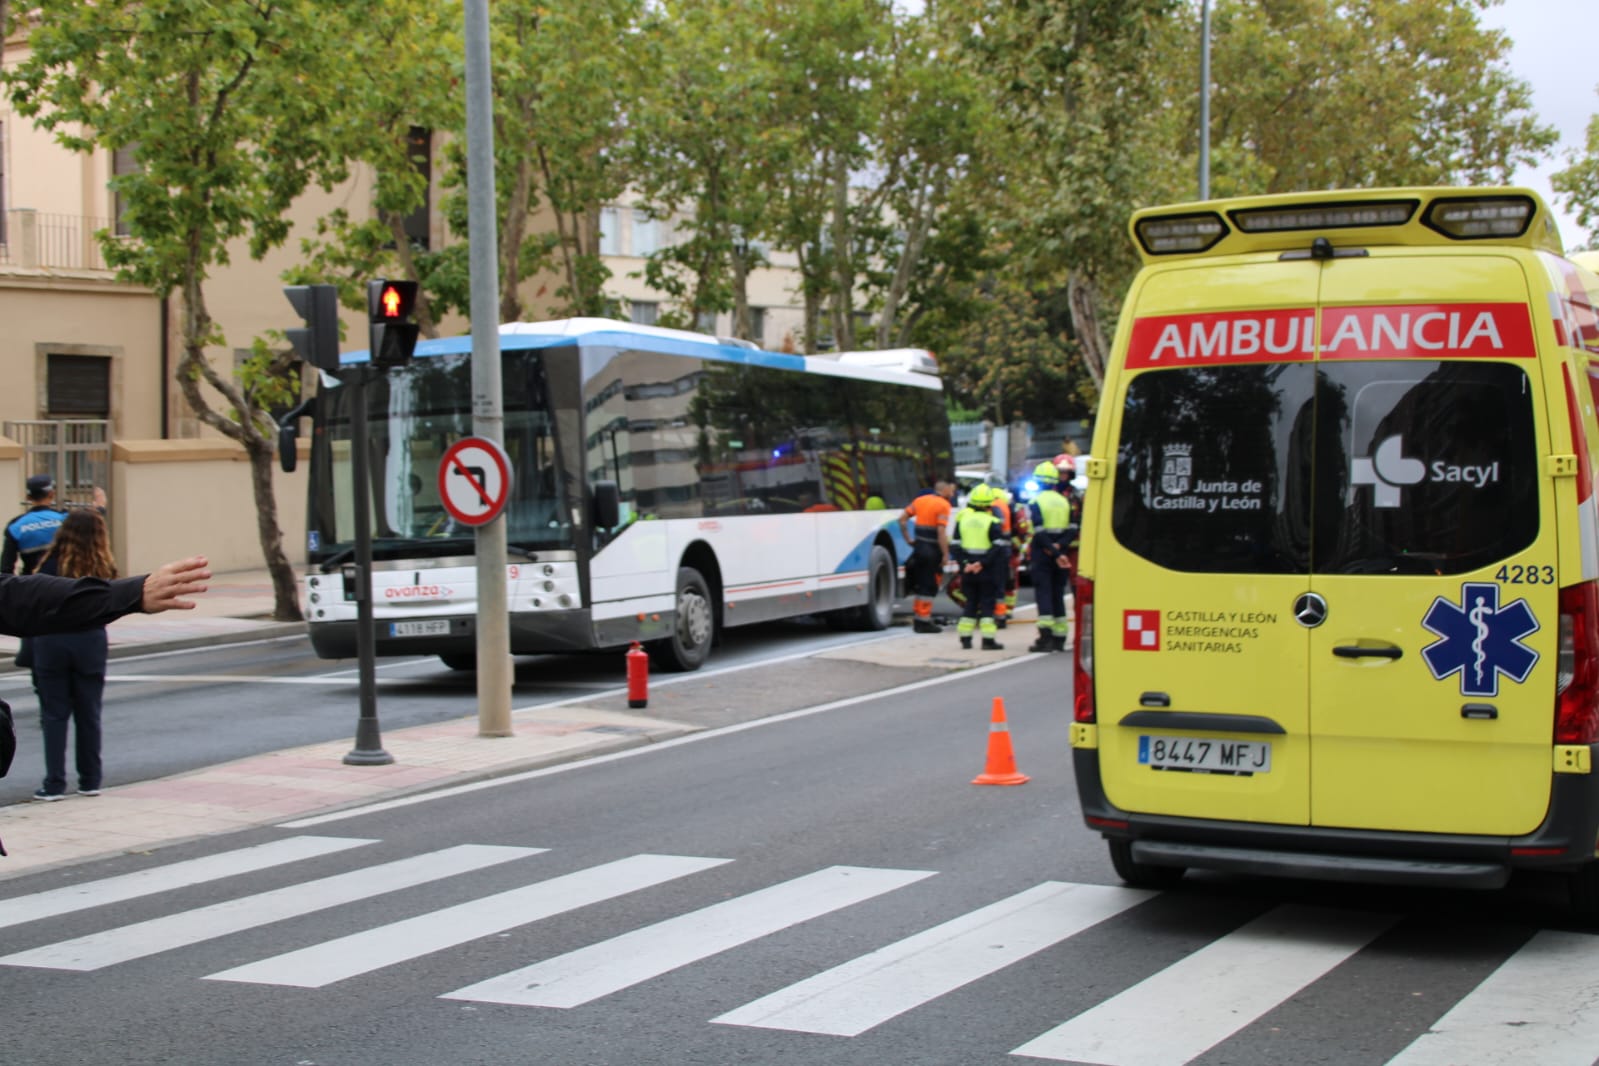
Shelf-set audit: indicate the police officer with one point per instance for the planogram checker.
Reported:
(929, 549)
(28, 535)
(977, 529)
(1050, 559)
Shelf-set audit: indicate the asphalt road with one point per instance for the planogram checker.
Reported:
(812, 888)
(169, 712)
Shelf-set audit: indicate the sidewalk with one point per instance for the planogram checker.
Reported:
(269, 788)
(237, 606)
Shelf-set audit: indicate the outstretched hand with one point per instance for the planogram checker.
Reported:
(166, 588)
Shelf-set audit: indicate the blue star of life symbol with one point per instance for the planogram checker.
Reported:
(1480, 639)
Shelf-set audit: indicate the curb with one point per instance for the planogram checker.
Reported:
(265, 631)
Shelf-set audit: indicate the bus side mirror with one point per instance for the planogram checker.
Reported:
(289, 435)
(607, 505)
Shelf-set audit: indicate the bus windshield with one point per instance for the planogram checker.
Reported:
(413, 415)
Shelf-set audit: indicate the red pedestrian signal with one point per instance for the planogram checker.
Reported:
(390, 305)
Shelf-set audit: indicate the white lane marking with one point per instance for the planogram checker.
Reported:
(865, 992)
(253, 679)
(1192, 1005)
(205, 923)
(580, 976)
(1541, 1005)
(122, 887)
(693, 738)
(359, 953)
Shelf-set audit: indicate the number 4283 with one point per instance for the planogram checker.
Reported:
(1525, 575)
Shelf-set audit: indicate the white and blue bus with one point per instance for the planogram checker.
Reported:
(665, 485)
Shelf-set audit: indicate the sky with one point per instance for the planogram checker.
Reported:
(1563, 78)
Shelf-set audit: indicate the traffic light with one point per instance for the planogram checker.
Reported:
(318, 341)
(389, 305)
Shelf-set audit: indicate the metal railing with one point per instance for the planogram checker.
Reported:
(38, 240)
(76, 452)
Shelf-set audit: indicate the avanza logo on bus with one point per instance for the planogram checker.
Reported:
(1282, 335)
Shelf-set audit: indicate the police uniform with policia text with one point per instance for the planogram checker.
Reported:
(28, 535)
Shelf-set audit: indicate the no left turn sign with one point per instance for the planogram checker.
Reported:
(474, 480)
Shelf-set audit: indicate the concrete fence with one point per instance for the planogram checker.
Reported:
(173, 498)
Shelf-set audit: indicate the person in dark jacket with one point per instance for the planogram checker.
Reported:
(69, 668)
(38, 604)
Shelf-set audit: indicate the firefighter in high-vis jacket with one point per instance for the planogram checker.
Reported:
(929, 550)
(978, 534)
(1050, 560)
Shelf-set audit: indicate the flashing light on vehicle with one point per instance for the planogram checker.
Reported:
(1480, 218)
(1030, 489)
(1177, 234)
(1323, 216)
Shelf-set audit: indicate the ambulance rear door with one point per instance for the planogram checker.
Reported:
(1203, 548)
(1434, 566)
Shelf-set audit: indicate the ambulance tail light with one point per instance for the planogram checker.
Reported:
(1577, 666)
(1083, 653)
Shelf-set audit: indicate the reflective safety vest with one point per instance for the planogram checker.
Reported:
(975, 530)
(1054, 513)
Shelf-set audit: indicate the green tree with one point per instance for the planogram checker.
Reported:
(231, 110)
(699, 130)
(1578, 182)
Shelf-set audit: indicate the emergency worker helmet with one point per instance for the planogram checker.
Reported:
(982, 496)
(1064, 464)
(1046, 472)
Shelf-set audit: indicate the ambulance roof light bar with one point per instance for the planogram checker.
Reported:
(1476, 218)
(1180, 234)
(1323, 216)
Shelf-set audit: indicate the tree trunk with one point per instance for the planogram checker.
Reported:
(741, 291)
(1083, 299)
(257, 445)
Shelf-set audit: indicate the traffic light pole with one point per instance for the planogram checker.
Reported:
(494, 672)
(368, 750)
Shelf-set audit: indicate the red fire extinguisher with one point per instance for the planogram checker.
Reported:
(638, 676)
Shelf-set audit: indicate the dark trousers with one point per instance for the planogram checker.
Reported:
(69, 674)
(927, 566)
(1050, 584)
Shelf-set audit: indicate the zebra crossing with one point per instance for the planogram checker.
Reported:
(1536, 1007)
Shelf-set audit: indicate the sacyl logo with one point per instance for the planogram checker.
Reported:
(1387, 471)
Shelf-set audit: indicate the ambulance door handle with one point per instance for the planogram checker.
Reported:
(1364, 651)
(1154, 699)
(1479, 710)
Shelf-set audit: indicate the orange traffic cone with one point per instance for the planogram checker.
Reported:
(1001, 769)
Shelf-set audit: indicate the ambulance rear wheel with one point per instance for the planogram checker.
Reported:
(1141, 874)
(1583, 886)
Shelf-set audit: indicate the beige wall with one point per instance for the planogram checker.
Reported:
(175, 498)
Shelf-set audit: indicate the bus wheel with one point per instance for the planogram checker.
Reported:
(690, 641)
(465, 660)
(878, 611)
(1141, 874)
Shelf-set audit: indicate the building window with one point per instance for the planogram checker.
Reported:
(758, 325)
(418, 224)
(2, 181)
(705, 321)
(644, 312)
(646, 233)
(124, 161)
(78, 386)
(610, 231)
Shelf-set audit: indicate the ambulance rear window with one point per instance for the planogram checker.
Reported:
(1212, 473)
(1349, 467)
(1423, 467)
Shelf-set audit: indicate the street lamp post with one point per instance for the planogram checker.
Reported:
(1204, 99)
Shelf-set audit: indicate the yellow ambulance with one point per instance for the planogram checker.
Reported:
(1338, 601)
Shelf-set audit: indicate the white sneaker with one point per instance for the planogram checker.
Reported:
(88, 792)
(48, 797)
